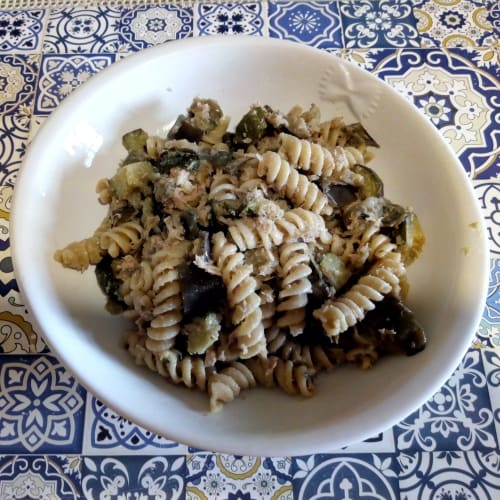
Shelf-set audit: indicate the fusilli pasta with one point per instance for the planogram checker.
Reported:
(240, 255)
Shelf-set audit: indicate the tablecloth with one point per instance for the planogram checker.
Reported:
(58, 441)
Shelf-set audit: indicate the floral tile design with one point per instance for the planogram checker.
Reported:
(40, 477)
(133, 477)
(229, 18)
(18, 74)
(108, 432)
(13, 141)
(449, 475)
(457, 417)
(82, 30)
(459, 23)
(379, 23)
(21, 30)
(146, 26)
(41, 406)
(488, 193)
(17, 335)
(493, 17)
(492, 309)
(491, 359)
(360, 476)
(235, 477)
(314, 23)
(61, 74)
(455, 95)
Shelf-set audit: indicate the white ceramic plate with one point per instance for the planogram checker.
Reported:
(55, 203)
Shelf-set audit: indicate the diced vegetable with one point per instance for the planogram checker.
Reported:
(109, 284)
(205, 114)
(135, 140)
(202, 292)
(184, 158)
(130, 177)
(202, 332)
(334, 270)
(339, 195)
(372, 184)
(251, 127)
(357, 135)
(410, 238)
(393, 214)
(189, 220)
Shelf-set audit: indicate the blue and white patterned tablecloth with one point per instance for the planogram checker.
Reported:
(58, 441)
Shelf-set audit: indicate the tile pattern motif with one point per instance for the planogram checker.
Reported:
(60, 442)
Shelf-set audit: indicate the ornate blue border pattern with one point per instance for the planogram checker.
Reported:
(459, 416)
(459, 98)
(146, 26)
(313, 23)
(58, 441)
(379, 23)
(345, 476)
(457, 23)
(82, 30)
(229, 18)
(61, 74)
(41, 406)
(20, 30)
(134, 477)
(18, 73)
(40, 477)
(109, 431)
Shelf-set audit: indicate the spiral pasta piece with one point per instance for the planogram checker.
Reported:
(242, 297)
(136, 290)
(223, 187)
(339, 314)
(331, 133)
(104, 191)
(167, 304)
(122, 239)
(313, 356)
(79, 255)
(249, 233)
(226, 385)
(292, 378)
(295, 285)
(288, 182)
(313, 158)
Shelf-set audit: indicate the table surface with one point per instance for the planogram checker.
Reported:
(58, 441)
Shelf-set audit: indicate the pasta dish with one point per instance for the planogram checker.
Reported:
(260, 255)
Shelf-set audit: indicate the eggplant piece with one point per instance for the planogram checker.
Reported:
(339, 195)
(410, 238)
(357, 135)
(170, 158)
(220, 158)
(135, 156)
(204, 114)
(372, 184)
(109, 284)
(251, 127)
(201, 292)
(393, 214)
(204, 249)
(189, 132)
(391, 315)
(189, 221)
(228, 208)
(135, 140)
